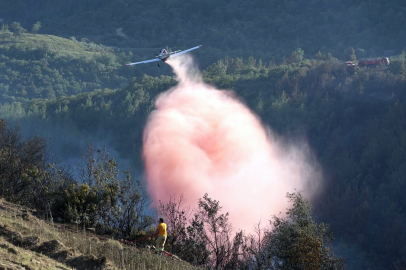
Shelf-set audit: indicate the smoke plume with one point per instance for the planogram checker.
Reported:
(204, 140)
(119, 32)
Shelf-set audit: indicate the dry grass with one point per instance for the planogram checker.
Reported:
(17, 225)
(13, 257)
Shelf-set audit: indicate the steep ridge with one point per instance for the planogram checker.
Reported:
(27, 242)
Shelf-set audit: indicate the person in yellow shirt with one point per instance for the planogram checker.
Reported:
(162, 234)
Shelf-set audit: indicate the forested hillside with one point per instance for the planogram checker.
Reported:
(262, 28)
(353, 121)
(45, 66)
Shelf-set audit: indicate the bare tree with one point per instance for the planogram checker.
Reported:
(217, 231)
(256, 255)
(93, 167)
(239, 256)
(133, 201)
(176, 214)
(249, 251)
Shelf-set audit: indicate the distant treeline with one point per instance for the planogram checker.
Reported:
(263, 28)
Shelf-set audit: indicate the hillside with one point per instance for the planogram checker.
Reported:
(43, 66)
(354, 122)
(57, 46)
(261, 28)
(46, 66)
(27, 242)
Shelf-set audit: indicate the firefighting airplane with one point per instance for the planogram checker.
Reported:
(164, 56)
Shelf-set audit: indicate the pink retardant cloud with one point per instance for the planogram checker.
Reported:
(204, 140)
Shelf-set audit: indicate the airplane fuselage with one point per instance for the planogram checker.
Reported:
(164, 55)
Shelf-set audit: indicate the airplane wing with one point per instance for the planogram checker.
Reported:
(185, 51)
(143, 62)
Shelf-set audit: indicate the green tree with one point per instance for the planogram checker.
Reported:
(217, 69)
(115, 205)
(81, 205)
(320, 56)
(17, 29)
(25, 177)
(298, 242)
(35, 27)
(398, 67)
(296, 56)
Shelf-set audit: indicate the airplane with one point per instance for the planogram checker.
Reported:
(164, 56)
